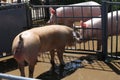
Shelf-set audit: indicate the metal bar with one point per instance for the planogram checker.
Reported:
(65, 6)
(104, 31)
(117, 20)
(113, 3)
(79, 17)
(12, 77)
(114, 57)
(111, 32)
(81, 50)
(92, 29)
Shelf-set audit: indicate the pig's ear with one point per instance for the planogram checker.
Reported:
(52, 11)
(82, 24)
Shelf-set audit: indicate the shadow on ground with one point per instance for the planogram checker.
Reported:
(8, 65)
(87, 62)
(58, 73)
(70, 67)
(115, 66)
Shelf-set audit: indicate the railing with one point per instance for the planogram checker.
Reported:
(12, 77)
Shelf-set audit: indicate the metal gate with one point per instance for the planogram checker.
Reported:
(90, 45)
(110, 45)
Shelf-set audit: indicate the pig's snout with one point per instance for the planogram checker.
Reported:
(77, 37)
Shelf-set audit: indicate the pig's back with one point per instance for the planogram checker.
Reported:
(54, 36)
(48, 30)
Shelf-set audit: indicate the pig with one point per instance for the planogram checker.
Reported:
(68, 15)
(28, 44)
(85, 34)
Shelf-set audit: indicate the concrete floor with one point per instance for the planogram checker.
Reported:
(78, 67)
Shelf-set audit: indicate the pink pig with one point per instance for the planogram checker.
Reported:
(74, 13)
(30, 43)
(97, 33)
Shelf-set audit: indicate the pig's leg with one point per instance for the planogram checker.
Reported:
(99, 43)
(21, 68)
(60, 56)
(31, 70)
(31, 64)
(99, 54)
(52, 54)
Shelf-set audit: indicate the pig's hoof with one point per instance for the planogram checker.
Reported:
(52, 68)
(62, 65)
(53, 65)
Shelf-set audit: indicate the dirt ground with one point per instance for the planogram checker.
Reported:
(78, 67)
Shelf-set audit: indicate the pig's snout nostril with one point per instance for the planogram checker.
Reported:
(81, 38)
